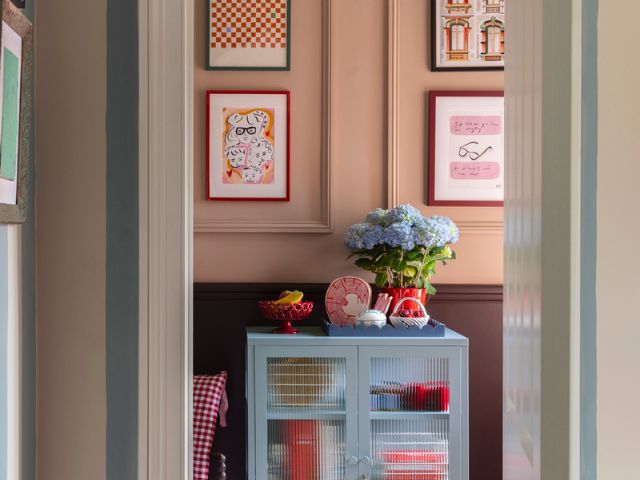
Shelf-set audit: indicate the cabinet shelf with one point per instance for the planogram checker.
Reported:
(305, 414)
(386, 415)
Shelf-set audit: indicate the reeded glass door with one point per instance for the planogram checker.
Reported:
(306, 412)
(411, 413)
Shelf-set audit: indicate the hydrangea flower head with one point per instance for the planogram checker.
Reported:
(453, 233)
(354, 236)
(422, 234)
(364, 236)
(436, 231)
(404, 214)
(373, 235)
(399, 235)
(377, 217)
(402, 226)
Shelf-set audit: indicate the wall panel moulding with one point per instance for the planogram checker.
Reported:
(394, 29)
(325, 223)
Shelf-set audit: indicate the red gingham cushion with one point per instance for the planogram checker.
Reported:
(208, 392)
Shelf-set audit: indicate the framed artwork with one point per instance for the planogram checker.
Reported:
(467, 35)
(248, 35)
(248, 145)
(16, 79)
(466, 148)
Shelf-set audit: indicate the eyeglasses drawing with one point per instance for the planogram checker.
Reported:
(242, 131)
(463, 151)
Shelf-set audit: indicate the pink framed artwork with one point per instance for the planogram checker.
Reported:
(248, 145)
(466, 148)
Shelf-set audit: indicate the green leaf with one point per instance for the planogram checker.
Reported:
(429, 268)
(379, 256)
(414, 263)
(393, 262)
(410, 272)
(382, 279)
(366, 264)
(430, 289)
(413, 254)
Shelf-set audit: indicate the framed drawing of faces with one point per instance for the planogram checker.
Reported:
(248, 145)
(466, 148)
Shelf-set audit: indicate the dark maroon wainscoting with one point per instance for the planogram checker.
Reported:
(222, 311)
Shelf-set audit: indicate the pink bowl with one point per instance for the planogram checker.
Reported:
(285, 313)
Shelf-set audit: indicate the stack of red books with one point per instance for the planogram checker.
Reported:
(415, 465)
(301, 442)
(430, 396)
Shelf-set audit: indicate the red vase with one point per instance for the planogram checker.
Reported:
(398, 294)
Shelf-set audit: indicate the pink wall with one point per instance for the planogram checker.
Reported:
(359, 144)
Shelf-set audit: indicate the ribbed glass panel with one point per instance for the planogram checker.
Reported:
(409, 384)
(306, 450)
(306, 411)
(409, 405)
(311, 384)
(410, 449)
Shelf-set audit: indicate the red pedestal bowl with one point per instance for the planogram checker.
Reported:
(285, 314)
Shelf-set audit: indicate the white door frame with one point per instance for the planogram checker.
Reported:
(543, 398)
(166, 226)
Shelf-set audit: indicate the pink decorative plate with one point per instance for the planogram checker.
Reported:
(346, 298)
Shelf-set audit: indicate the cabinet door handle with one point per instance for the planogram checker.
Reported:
(366, 460)
(352, 460)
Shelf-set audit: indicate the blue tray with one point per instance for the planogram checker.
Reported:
(433, 329)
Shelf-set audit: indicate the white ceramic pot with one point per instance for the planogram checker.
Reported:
(372, 317)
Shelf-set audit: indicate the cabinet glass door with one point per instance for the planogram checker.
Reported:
(306, 413)
(412, 400)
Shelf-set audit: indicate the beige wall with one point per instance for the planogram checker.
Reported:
(618, 236)
(70, 225)
(359, 163)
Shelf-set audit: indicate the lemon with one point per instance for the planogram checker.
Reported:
(290, 298)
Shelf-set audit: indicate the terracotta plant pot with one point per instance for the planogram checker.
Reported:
(398, 294)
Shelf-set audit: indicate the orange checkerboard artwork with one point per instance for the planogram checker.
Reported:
(249, 34)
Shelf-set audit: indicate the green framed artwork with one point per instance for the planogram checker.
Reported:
(16, 77)
(248, 34)
(10, 113)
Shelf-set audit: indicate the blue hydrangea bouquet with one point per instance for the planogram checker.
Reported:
(402, 247)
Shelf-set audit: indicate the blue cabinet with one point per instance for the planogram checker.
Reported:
(347, 408)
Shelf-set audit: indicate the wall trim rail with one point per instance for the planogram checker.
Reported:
(245, 291)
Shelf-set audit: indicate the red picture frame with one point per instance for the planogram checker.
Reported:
(286, 196)
(431, 189)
